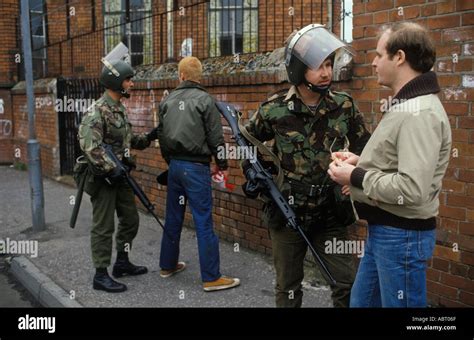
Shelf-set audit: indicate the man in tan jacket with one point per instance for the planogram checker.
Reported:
(396, 181)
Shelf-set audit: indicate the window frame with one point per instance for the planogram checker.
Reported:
(216, 10)
(39, 55)
(122, 29)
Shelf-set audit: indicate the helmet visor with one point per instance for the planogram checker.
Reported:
(119, 52)
(313, 44)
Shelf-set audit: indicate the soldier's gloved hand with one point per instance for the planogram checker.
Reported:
(116, 175)
(250, 190)
(152, 135)
(269, 166)
(246, 165)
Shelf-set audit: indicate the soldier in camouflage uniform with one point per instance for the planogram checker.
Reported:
(107, 122)
(306, 123)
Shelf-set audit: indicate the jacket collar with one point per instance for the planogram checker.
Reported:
(187, 84)
(425, 83)
(113, 103)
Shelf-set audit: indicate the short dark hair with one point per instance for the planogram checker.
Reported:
(415, 41)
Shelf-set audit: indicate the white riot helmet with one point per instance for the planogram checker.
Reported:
(116, 69)
(310, 47)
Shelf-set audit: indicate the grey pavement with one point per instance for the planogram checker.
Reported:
(64, 257)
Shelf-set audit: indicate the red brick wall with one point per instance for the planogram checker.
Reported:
(46, 123)
(6, 127)
(8, 75)
(80, 56)
(277, 20)
(450, 273)
(9, 11)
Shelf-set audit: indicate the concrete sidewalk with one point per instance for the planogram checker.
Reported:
(64, 258)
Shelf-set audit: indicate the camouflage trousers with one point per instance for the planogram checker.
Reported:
(289, 250)
(106, 200)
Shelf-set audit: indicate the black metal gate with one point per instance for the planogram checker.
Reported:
(74, 97)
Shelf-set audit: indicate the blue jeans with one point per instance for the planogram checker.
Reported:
(188, 181)
(392, 272)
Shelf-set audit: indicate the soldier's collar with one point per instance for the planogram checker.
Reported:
(329, 102)
(111, 102)
(292, 92)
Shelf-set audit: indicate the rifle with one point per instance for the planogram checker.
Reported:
(134, 185)
(257, 173)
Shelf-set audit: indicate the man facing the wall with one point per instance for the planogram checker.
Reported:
(190, 133)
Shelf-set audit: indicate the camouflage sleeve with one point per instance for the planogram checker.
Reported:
(358, 134)
(140, 141)
(259, 127)
(90, 140)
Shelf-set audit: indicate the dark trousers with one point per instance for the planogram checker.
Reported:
(289, 250)
(106, 200)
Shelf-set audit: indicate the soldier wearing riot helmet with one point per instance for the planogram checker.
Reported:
(307, 123)
(106, 122)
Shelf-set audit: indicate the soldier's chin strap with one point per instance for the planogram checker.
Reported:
(322, 90)
(124, 93)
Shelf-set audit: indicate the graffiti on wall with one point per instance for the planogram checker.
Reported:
(5, 127)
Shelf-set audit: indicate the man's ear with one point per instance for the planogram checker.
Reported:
(182, 77)
(401, 57)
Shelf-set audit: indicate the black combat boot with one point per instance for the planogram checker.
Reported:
(124, 267)
(102, 281)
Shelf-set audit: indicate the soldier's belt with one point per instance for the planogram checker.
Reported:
(310, 190)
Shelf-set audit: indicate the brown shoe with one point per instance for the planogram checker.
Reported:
(223, 283)
(167, 273)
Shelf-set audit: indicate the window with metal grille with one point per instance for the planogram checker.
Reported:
(38, 37)
(129, 21)
(233, 27)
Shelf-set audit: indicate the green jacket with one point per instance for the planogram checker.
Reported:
(304, 139)
(190, 126)
(107, 122)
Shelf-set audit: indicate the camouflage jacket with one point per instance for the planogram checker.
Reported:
(304, 139)
(107, 122)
